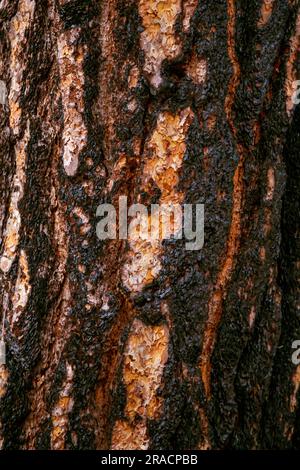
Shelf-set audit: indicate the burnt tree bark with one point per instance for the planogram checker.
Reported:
(121, 345)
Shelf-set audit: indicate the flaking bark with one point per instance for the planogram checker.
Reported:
(161, 101)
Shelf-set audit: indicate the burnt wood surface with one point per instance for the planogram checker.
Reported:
(162, 101)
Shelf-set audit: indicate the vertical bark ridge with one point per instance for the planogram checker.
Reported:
(215, 304)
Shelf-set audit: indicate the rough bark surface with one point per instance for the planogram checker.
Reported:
(118, 345)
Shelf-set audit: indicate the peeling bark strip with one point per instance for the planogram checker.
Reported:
(12, 229)
(145, 357)
(122, 344)
(70, 59)
(158, 40)
(22, 290)
(17, 34)
(167, 148)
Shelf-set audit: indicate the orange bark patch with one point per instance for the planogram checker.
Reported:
(296, 383)
(133, 77)
(165, 150)
(262, 253)
(129, 437)
(252, 316)
(70, 60)
(211, 122)
(291, 69)
(144, 360)
(205, 444)
(197, 69)
(11, 233)
(59, 414)
(17, 34)
(22, 290)
(158, 39)
(271, 184)
(235, 78)
(4, 374)
(265, 12)
(189, 7)
(267, 222)
(206, 159)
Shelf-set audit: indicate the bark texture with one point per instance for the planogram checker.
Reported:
(121, 345)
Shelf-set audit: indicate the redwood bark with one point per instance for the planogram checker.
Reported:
(118, 345)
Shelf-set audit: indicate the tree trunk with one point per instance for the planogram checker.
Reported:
(125, 345)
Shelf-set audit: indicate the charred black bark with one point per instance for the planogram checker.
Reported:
(188, 102)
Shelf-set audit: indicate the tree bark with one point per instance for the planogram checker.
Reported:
(120, 345)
